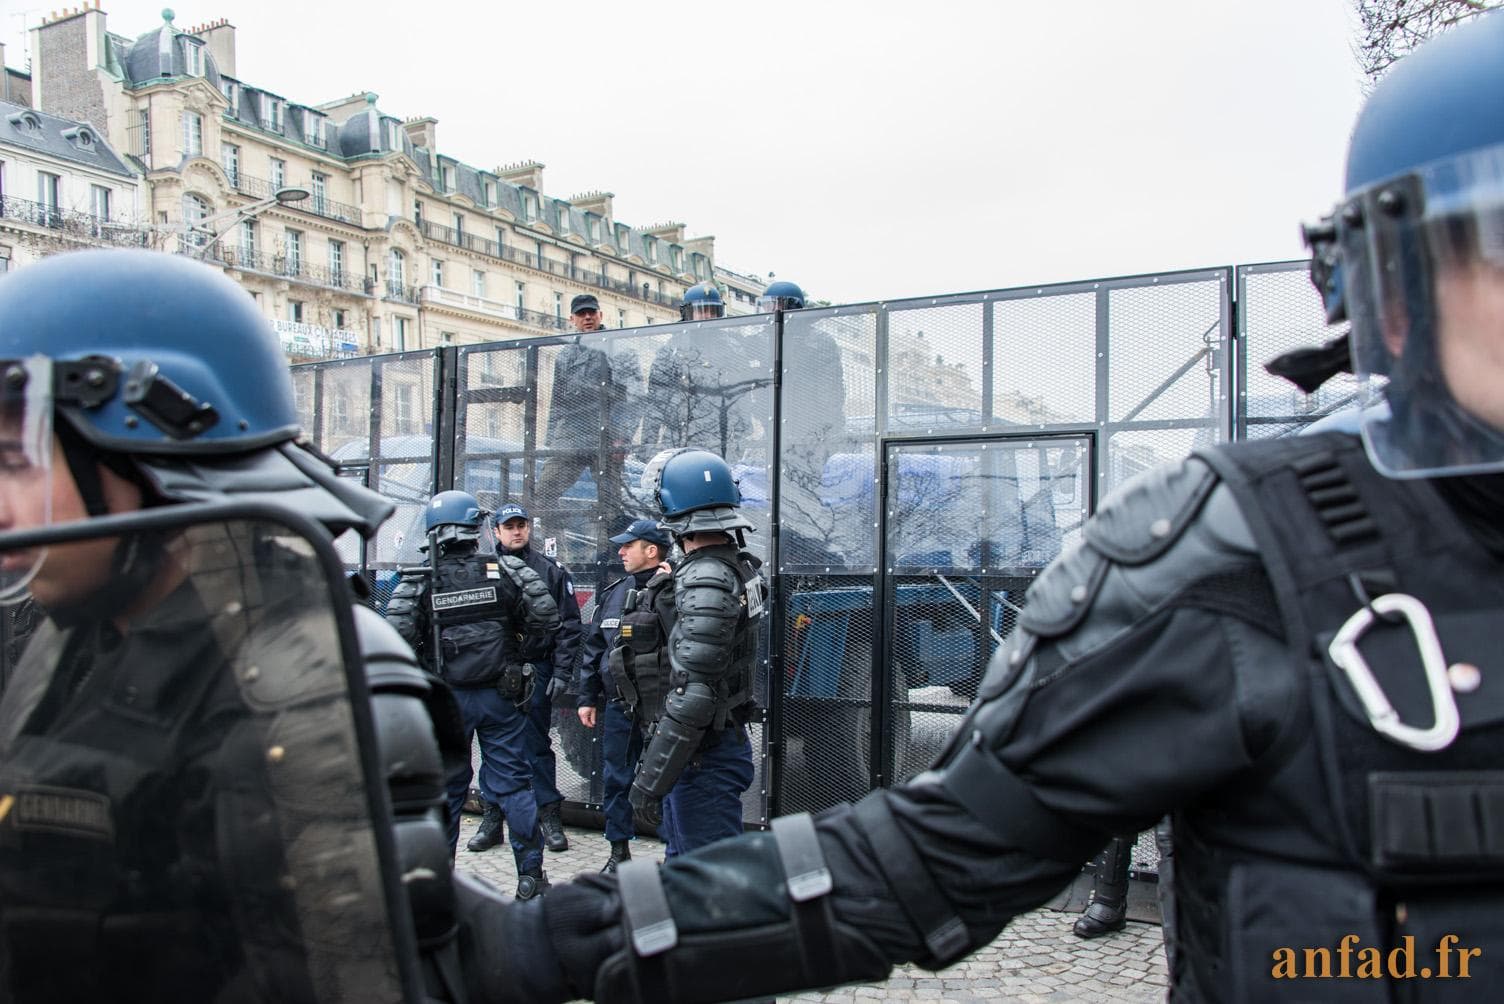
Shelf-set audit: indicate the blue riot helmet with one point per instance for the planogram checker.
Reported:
(163, 370)
(702, 302)
(453, 516)
(780, 295)
(1420, 245)
(695, 491)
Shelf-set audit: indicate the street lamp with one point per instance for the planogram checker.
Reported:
(218, 224)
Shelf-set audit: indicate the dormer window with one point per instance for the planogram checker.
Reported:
(313, 128)
(274, 114)
(623, 237)
(231, 91)
(193, 58)
(26, 122)
(563, 219)
(80, 137)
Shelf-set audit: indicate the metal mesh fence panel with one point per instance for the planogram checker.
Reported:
(1168, 376)
(1044, 354)
(934, 366)
(969, 526)
(566, 427)
(1281, 311)
(827, 714)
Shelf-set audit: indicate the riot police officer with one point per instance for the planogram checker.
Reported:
(697, 760)
(552, 651)
(1280, 642)
(607, 682)
(178, 764)
(467, 615)
(780, 295)
(702, 302)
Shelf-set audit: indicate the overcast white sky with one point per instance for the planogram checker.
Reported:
(867, 150)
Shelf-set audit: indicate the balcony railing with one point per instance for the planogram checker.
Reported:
(453, 298)
(316, 204)
(401, 291)
(238, 256)
(83, 227)
(314, 341)
(474, 242)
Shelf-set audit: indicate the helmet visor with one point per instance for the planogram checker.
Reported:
(25, 465)
(1423, 264)
(772, 304)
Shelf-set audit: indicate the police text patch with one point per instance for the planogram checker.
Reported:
(464, 598)
(62, 810)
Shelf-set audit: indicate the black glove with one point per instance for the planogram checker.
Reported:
(558, 686)
(505, 951)
(650, 807)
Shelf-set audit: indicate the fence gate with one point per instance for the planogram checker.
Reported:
(967, 524)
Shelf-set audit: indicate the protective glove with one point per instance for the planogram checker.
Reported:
(650, 806)
(505, 952)
(558, 684)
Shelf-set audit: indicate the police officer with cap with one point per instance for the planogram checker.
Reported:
(553, 652)
(1287, 643)
(607, 673)
(467, 614)
(167, 807)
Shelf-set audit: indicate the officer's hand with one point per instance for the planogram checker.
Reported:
(587, 716)
(650, 806)
(557, 685)
(500, 945)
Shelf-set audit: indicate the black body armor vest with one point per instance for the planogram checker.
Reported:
(474, 603)
(1375, 831)
(639, 661)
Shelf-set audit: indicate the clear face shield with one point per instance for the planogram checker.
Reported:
(1423, 266)
(702, 311)
(773, 304)
(25, 465)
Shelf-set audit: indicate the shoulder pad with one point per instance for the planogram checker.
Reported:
(389, 660)
(713, 574)
(1140, 520)
(1060, 597)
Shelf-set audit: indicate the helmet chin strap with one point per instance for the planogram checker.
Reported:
(136, 559)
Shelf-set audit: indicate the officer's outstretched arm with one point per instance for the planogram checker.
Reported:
(699, 648)
(1139, 679)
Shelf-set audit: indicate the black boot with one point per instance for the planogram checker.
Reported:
(1109, 895)
(621, 850)
(553, 830)
(533, 882)
(490, 831)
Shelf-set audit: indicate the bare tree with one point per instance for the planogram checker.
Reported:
(1388, 29)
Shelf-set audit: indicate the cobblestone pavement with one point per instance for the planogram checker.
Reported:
(1036, 959)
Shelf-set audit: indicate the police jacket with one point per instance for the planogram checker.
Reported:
(1190, 656)
(483, 609)
(593, 677)
(561, 645)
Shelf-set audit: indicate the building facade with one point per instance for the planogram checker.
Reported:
(62, 188)
(385, 244)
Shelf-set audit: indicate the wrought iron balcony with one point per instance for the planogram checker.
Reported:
(316, 204)
(85, 228)
(286, 266)
(440, 296)
(401, 291)
(474, 242)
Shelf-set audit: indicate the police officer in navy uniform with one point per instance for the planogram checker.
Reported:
(174, 668)
(643, 548)
(697, 760)
(1289, 644)
(553, 653)
(468, 615)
